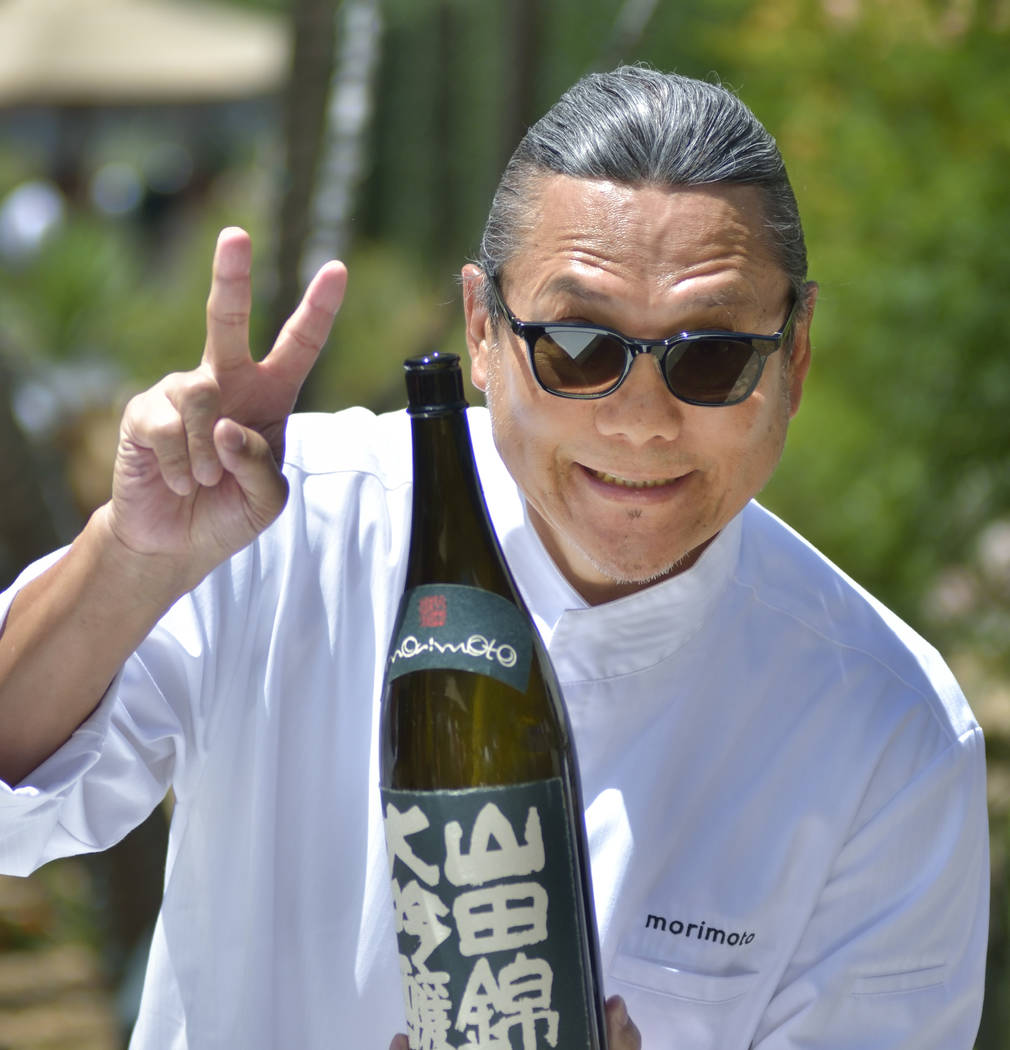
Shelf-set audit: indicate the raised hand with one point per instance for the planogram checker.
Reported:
(197, 469)
(196, 478)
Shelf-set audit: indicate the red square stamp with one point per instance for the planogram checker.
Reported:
(432, 610)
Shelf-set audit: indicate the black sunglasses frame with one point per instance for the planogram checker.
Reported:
(531, 332)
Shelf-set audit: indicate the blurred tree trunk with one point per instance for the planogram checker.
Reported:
(523, 51)
(343, 152)
(328, 108)
(445, 160)
(304, 117)
(629, 28)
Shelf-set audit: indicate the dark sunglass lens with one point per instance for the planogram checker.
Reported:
(712, 371)
(578, 360)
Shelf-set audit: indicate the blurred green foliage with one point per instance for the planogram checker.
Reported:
(901, 173)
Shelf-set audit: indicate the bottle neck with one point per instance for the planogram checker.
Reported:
(450, 530)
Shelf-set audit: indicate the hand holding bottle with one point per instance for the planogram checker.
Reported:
(621, 1031)
(622, 1034)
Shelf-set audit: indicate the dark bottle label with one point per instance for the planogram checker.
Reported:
(486, 922)
(465, 628)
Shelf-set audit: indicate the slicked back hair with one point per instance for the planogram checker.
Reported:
(641, 127)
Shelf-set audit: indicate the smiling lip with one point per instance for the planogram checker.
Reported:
(631, 484)
(612, 479)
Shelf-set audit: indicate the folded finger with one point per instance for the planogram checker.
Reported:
(196, 397)
(152, 425)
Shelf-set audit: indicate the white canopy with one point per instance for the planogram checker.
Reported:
(108, 52)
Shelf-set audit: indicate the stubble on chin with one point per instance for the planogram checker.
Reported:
(634, 578)
(600, 573)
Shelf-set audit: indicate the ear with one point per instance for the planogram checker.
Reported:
(479, 331)
(799, 359)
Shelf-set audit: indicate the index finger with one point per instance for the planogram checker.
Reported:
(230, 300)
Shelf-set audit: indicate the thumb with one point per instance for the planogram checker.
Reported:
(247, 457)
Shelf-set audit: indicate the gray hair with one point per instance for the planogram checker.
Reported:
(641, 127)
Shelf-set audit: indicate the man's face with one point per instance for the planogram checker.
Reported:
(628, 489)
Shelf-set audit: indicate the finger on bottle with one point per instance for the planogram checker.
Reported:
(622, 1033)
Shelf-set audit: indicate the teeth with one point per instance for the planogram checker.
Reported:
(613, 479)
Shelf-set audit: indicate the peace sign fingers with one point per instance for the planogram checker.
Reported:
(304, 333)
(229, 302)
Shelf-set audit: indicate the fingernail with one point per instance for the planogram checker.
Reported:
(231, 435)
(181, 486)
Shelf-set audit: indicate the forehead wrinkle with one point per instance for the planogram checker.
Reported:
(571, 285)
(587, 239)
(582, 270)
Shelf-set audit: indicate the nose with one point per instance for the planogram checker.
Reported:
(642, 408)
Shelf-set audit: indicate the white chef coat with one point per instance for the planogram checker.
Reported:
(785, 788)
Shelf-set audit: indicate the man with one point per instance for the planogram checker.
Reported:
(785, 788)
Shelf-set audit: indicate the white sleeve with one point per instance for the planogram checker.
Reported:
(893, 955)
(119, 763)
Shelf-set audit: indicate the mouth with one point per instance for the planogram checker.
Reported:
(631, 483)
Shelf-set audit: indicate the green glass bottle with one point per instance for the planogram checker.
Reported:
(480, 789)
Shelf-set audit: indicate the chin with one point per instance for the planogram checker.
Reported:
(641, 574)
(636, 570)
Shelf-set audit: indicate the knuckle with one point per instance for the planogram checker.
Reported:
(229, 301)
(200, 384)
(195, 395)
(226, 318)
(296, 334)
(140, 406)
(167, 436)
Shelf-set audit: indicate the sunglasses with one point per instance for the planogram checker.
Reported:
(709, 367)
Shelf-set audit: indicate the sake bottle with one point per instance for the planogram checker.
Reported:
(484, 822)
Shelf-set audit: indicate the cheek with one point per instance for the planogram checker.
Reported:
(514, 399)
(747, 447)
(508, 416)
(760, 446)
(528, 426)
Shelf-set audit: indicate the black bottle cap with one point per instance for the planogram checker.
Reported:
(434, 384)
